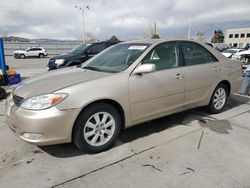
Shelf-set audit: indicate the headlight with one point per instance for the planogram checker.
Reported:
(42, 102)
(59, 61)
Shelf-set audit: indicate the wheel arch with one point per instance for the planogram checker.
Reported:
(227, 84)
(112, 102)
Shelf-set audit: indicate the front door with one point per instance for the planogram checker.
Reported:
(161, 92)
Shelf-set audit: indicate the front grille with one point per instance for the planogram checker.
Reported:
(17, 100)
(51, 62)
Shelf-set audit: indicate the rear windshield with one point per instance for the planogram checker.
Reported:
(79, 48)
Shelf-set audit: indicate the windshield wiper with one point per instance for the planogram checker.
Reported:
(92, 68)
(98, 69)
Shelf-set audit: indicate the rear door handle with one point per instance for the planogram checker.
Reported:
(179, 76)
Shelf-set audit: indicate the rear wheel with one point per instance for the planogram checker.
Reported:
(218, 99)
(97, 128)
(41, 55)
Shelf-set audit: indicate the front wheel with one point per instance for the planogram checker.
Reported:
(97, 128)
(218, 99)
(22, 56)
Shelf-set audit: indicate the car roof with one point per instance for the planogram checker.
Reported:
(156, 41)
(245, 52)
(148, 41)
(99, 42)
(35, 47)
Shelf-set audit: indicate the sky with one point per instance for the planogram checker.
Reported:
(127, 19)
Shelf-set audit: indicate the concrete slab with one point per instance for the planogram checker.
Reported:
(221, 161)
(57, 164)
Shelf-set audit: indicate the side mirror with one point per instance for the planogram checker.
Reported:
(145, 68)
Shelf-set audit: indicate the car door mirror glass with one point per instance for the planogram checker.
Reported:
(145, 68)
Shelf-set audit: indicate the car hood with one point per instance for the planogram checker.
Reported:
(56, 80)
(226, 54)
(65, 56)
(246, 52)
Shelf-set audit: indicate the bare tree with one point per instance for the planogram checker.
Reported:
(150, 32)
(90, 37)
(200, 35)
(78, 39)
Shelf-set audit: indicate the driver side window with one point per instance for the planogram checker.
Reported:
(164, 56)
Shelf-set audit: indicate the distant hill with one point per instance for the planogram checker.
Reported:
(16, 39)
(21, 39)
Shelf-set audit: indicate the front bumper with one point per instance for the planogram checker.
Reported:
(16, 55)
(52, 65)
(54, 125)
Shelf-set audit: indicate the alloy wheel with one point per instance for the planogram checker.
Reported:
(99, 129)
(219, 98)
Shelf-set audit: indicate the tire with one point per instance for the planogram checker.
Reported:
(41, 56)
(21, 56)
(218, 99)
(94, 137)
(2, 93)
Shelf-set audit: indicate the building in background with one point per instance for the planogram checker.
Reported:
(238, 37)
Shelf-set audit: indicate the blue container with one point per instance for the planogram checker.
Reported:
(13, 79)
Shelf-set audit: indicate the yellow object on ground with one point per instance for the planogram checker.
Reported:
(9, 72)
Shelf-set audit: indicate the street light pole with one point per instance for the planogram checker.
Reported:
(81, 8)
(189, 28)
(83, 26)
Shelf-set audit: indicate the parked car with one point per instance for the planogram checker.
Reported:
(78, 55)
(239, 55)
(127, 84)
(229, 52)
(31, 52)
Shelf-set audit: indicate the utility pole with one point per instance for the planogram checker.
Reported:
(189, 28)
(155, 28)
(82, 8)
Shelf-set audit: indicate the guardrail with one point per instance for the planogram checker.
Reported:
(53, 48)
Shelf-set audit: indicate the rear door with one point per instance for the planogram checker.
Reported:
(202, 72)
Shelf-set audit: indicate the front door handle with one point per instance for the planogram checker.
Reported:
(179, 76)
(216, 69)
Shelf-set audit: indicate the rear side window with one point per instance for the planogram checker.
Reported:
(195, 54)
(37, 49)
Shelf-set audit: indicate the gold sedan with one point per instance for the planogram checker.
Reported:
(127, 84)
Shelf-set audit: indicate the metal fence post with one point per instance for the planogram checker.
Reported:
(2, 58)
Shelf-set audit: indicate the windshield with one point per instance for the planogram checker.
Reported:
(79, 49)
(117, 58)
